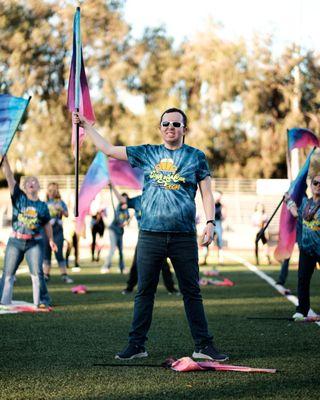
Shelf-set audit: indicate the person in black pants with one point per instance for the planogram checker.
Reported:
(135, 203)
(173, 171)
(97, 228)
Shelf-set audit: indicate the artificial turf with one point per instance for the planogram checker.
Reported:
(52, 355)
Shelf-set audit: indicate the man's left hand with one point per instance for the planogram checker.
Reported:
(207, 235)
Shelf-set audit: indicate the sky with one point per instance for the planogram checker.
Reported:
(288, 20)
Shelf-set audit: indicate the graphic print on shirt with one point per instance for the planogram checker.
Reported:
(28, 218)
(165, 176)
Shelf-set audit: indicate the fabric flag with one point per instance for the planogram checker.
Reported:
(96, 179)
(11, 113)
(78, 89)
(300, 138)
(122, 174)
(187, 364)
(287, 225)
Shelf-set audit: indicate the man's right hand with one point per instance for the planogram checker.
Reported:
(77, 118)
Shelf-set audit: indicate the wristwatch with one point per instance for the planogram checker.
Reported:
(211, 221)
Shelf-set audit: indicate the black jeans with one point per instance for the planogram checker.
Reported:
(307, 264)
(182, 249)
(133, 275)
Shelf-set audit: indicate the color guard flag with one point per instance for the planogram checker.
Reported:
(11, 112)
(95, 180)
(78, 89)
(287, 225)
(301, 138)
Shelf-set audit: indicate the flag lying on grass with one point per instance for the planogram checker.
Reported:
(78, 89)
(96, 179)
(301, 138)
(122, 174)
(186, 364)
(287, 225)
(11, 113)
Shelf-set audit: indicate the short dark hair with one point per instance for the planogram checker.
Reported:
(172, 110)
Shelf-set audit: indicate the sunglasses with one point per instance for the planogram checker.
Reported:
(175, 124)
(316, 183)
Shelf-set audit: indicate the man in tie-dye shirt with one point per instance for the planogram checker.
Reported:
(172, 173)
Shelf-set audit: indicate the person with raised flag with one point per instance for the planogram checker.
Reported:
(308, 238)
(29, 216)
(172, 173)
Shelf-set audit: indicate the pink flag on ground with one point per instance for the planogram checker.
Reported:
(186, 364)
(122, 174)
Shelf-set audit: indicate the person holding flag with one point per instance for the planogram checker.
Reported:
(172, 173)
(308, 238)
(29, 216)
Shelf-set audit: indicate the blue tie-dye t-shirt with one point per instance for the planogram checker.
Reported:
(308, 232)
(135, 203)
(28, 216)
(121, 216)
(170, 185)
(56, 208)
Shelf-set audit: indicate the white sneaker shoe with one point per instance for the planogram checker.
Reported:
(67, 279)
(298, 316)
(104, 270)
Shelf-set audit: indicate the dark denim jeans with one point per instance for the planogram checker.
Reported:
(307, 264)
(182, 249)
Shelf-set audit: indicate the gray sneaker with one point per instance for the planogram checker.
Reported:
(209, 353)
(131, 351)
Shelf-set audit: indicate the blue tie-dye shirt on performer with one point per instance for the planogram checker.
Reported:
(308, 232)
(28, 216)
(170, 185)
(135, 203)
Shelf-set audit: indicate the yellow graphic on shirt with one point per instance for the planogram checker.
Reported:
(165, 176)
(313, 225)
(28, 218)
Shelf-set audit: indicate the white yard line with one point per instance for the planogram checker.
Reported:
(266, 278)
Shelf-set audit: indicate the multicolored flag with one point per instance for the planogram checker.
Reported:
(96, 179)
(287, 225)
(300, 138)
(11, 112)
(78, 89)
(122, 174)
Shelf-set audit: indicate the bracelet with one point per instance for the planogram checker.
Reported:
(212, 221)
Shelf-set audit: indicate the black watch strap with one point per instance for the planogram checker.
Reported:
(211, 221)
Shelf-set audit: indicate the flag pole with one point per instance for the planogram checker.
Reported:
(261, 233)
(77, 102)
(15, 130)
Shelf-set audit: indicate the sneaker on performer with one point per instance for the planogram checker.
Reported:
(104, 270)
(66, 279)
(298, 316)
(209, 353)
(126, 291)
(132, 351)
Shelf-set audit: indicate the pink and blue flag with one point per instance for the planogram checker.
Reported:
(288, 223)
(122, 174)
(11, 112)
(95, 180)
(78, 89)
(300, 138)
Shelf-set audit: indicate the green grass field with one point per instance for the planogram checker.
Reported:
(51, 355)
